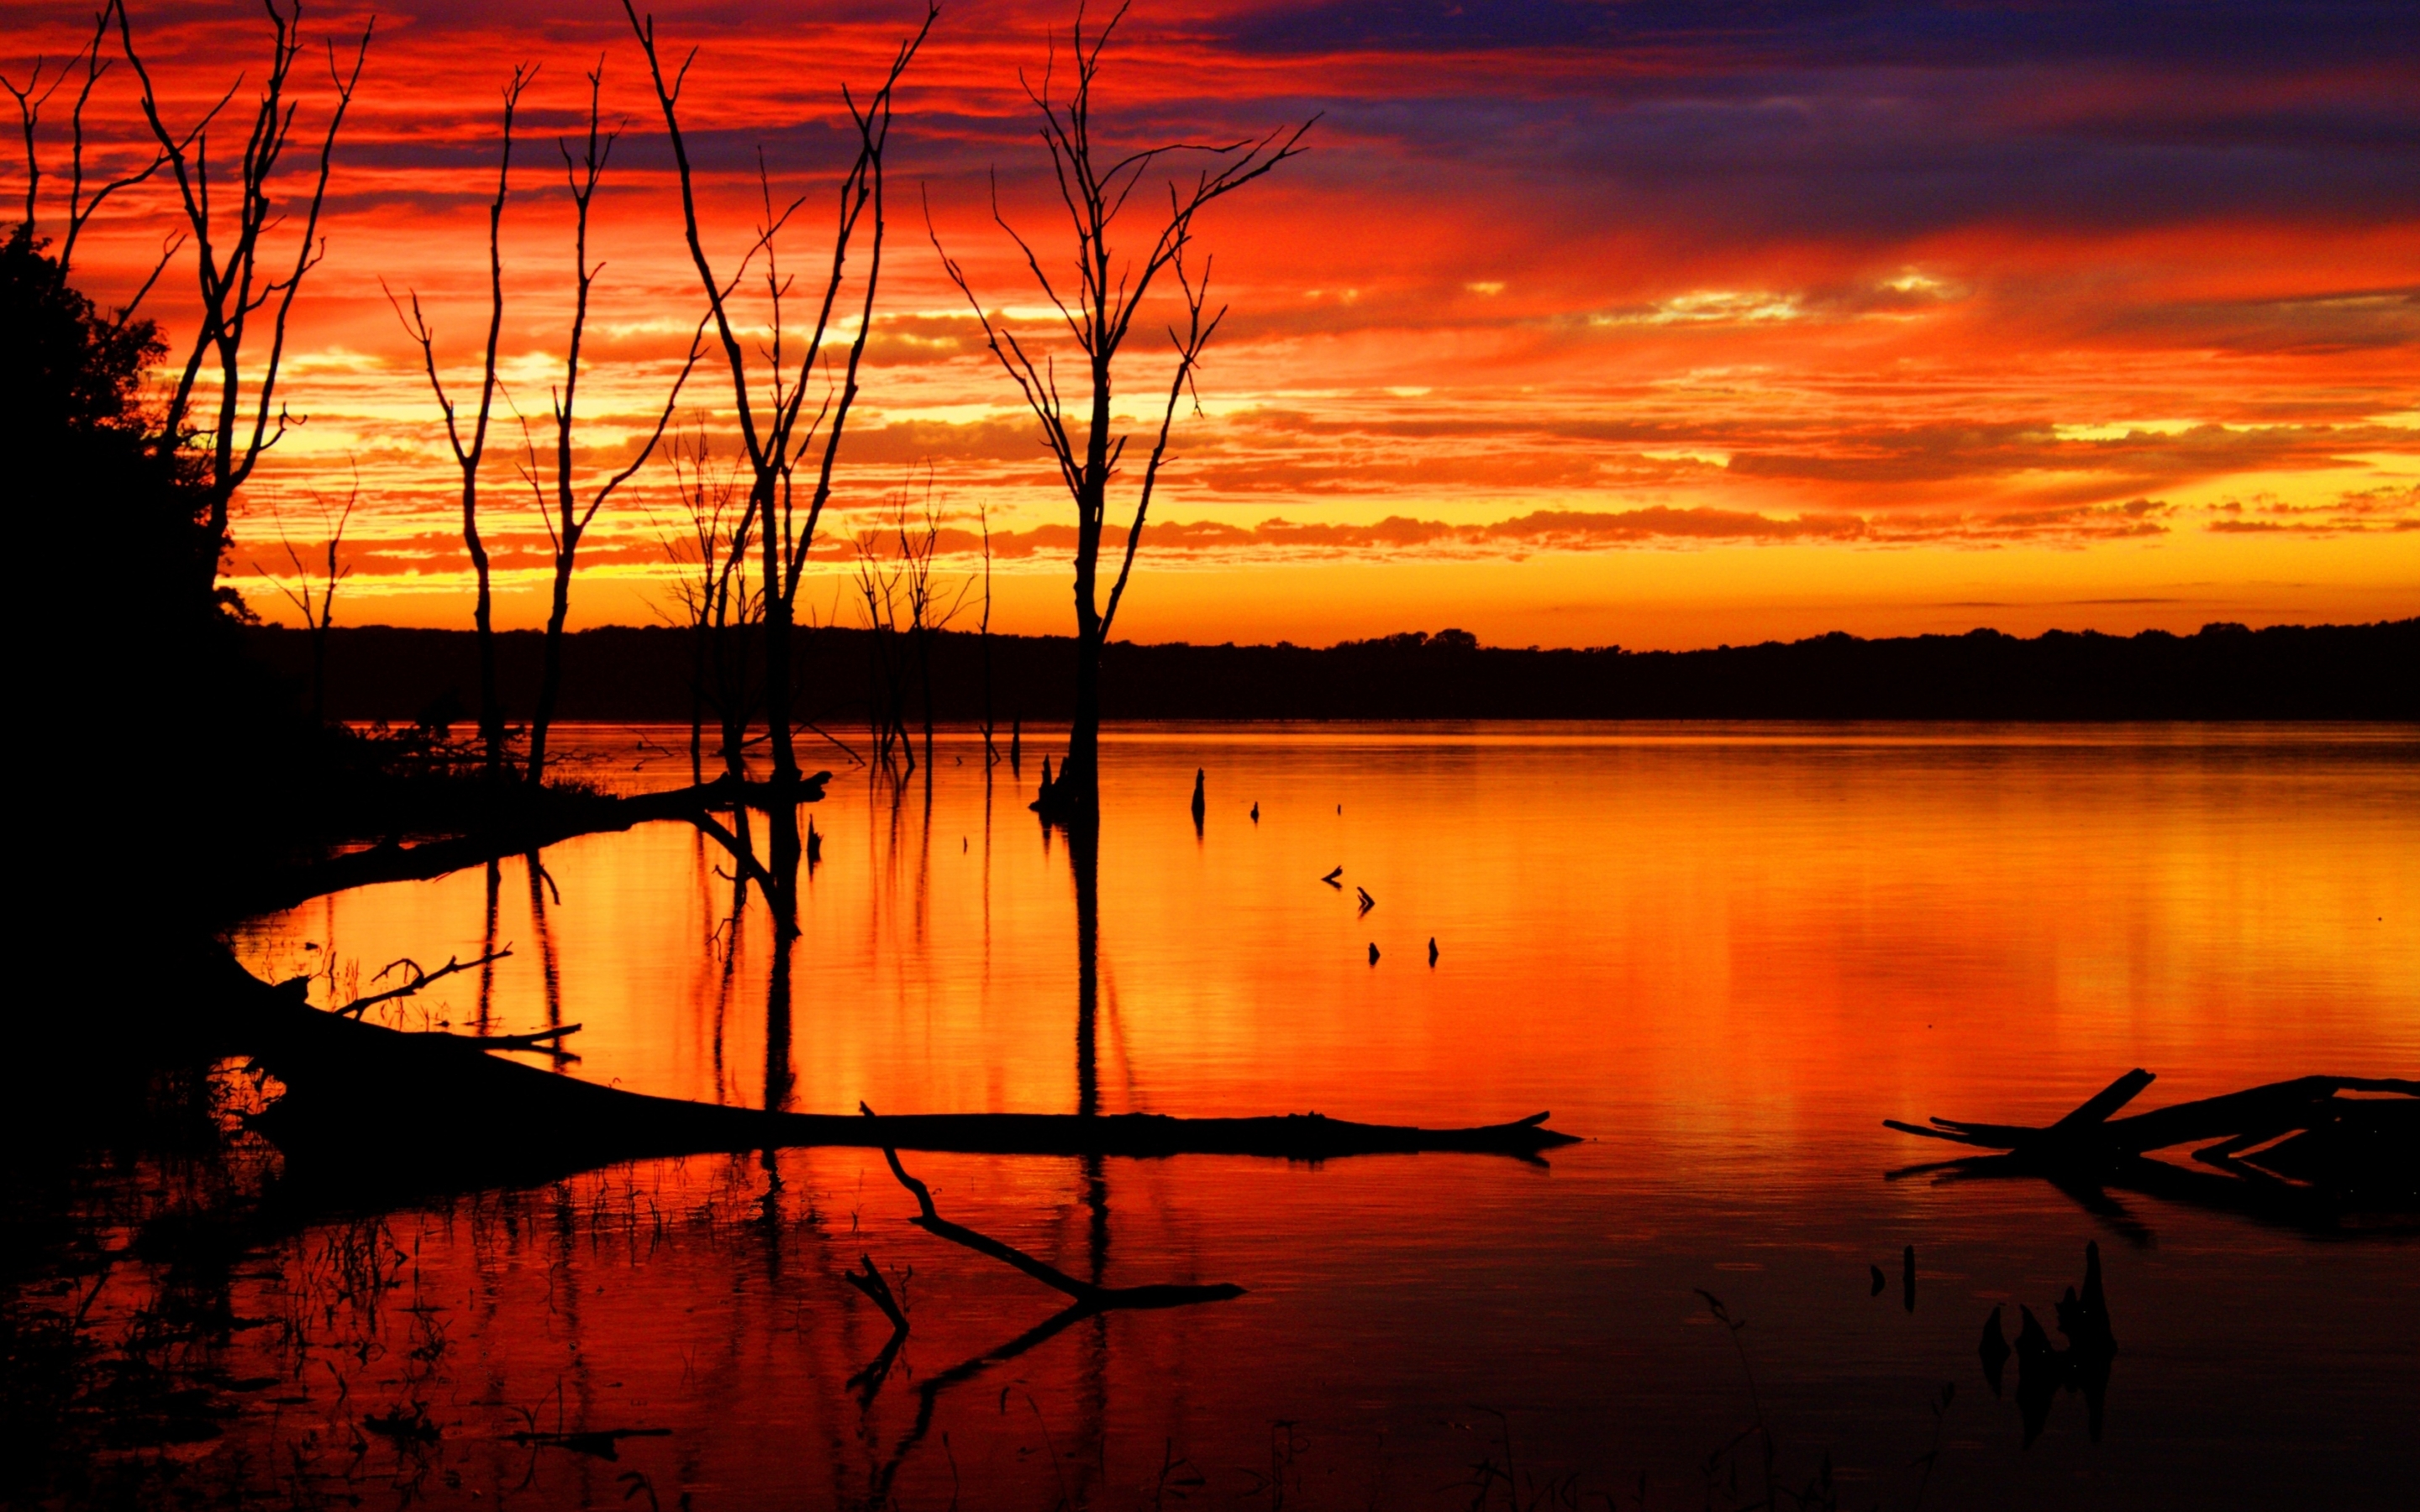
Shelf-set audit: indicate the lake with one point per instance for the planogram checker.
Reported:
(1721, 955)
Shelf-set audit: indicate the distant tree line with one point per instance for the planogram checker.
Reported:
(2224, 671)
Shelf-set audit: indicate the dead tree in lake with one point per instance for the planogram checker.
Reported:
(236, 276)
(467, 455)
(1108, 296)
(888, 585)
(776, 431)
(991, 746)
(879, 587)
(717, 600)
(567, 518)
(928, 611)
(316, 596)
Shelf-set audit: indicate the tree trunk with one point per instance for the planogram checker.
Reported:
(782, 817)
(731, 676)
(697, 704)
(1084, 859)
(1076, 796)
(482, 621)
(320, 676)
(924, 672)
(549, 686)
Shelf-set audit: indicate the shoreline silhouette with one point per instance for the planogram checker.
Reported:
(2221, 671)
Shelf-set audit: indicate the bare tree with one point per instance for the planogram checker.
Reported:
(566, 515)
(1109, 293)
(316, 596)
(717, 600)
(81, 207)
(879, 591)
(930, 606)
(235, 275)
(468, 456)
(894, 576)
(776, 431)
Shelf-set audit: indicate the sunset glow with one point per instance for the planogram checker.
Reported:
(1579, 324)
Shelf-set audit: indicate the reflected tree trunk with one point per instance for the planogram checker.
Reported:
(1084, 859)
(781, 1081)
(487, 946)
(539, 884)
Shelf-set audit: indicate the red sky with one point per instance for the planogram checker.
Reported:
(1639, 323)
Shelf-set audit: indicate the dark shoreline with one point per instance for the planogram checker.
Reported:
(2224, 671)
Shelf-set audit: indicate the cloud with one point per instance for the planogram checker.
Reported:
(2388, 509)
(1546, 530)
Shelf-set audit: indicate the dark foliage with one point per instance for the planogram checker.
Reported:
(102, 487)
(2224, 672)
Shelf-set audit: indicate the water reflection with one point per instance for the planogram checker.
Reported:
(1725, 960)
(495, 879)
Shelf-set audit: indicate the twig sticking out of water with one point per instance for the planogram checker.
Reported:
(877, 1290)
(1087, 1296)
(418, 979)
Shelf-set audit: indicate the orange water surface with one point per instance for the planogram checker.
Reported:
(1719, 954)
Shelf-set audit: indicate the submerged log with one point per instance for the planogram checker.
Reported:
(2241, 1118)
(2298, 1150)
(361, 1095)
(550, 822)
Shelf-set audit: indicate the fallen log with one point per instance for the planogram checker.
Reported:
(550, 820)
(365, 1098)
(2298, 1150)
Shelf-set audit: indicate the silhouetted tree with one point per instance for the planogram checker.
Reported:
(878, 589)
(775, 430)
(235, 276)
(566, 515)
(315, 594)
(1094, 186)
(468, 456)
(894, 576)
(717, 600)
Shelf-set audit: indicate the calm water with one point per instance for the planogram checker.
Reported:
(1722, 955)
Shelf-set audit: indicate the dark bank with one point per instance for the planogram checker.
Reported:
(644, 675)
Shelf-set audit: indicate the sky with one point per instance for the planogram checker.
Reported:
(1647, 324)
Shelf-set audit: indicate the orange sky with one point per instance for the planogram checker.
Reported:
(1647, 324)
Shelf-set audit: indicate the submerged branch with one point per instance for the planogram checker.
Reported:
(1088, 1297)
(487, 1118)
(419, 978)
(547, 820)
(2297, 1152)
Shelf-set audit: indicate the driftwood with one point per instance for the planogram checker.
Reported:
(351, 1086)
(550, 822)
(601, 1444)
(420, 978)
(2299, 1150)
(1085, 1298)
(544, 1042)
